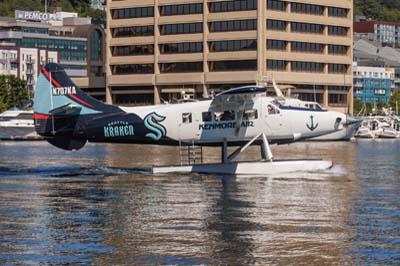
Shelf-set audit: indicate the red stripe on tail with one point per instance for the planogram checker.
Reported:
(71, 96)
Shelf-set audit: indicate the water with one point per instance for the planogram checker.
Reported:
(99, 206)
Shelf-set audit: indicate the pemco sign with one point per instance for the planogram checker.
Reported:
(33, 15)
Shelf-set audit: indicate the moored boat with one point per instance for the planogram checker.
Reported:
(17, 124)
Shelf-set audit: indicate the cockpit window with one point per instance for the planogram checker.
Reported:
(250, 114)
(313, 106)
(187, 118)
(224, 116)
(276, 103)
(272, 110)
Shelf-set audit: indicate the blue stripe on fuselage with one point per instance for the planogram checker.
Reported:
(301, 109)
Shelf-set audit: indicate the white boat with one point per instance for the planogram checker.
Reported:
(393, 131)
(17, 124)
(389, 133)
(374, 127)
(364, 132)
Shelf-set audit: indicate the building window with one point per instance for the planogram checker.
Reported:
(307, 27)
(279, 65)
(337, 30)
(307, 47)
(338, 88)
(135, 99)
(233, 25)
(276, 45)
(234, 65)
(230, 6)
(311, 97)
(337, 12)
(137, 12)
(337, 99)
(181, 48)
(276, 25)
(337, 68)
(95, 45)
(234, 45)
(183, 28)
(276, 5)
(127, 50)
(307, 67)
(337, 49)
(133, 31)
(185, 9)
(132, 69)
(307, 9)
(181, 67)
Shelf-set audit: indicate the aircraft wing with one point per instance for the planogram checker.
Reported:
(238, 100)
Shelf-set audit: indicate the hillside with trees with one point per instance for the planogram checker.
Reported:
(388, 10)
(82, 7)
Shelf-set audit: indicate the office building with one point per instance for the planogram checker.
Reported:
(378, 31)
(373, 84)
(81, 46)
(25, 62)
(373, 54)
(156, 49)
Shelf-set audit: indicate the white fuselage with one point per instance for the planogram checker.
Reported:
(202, 123)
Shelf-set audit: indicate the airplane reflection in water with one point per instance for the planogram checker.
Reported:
(227, 220)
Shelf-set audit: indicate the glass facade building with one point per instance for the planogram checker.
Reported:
(373, 85)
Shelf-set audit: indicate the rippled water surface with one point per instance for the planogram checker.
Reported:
(100, 206)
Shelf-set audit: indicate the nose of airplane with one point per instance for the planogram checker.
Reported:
(340, 120)
(351, 120)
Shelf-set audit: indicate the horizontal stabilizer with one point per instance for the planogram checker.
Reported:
(67, 109)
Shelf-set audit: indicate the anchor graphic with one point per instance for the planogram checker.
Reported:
(312, 127)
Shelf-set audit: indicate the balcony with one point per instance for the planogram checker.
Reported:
(29, 71)
(30, 61)
(8, 60)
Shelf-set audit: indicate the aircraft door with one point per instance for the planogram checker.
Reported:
(188, 124)
(275, 121)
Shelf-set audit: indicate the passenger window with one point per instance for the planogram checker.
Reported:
(206, 116)
(186, 118)
(272, 110)
(250, 114)
(224, 116)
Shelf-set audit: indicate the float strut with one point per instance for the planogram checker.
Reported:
(266, 153)
(224, 152)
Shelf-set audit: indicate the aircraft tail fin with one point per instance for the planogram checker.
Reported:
(58, 106)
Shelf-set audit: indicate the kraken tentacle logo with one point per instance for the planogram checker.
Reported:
(151, 121)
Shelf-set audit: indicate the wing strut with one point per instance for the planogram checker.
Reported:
(266, 153)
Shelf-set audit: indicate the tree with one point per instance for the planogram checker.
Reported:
(357, 106)
(13, 92)
(394, 100)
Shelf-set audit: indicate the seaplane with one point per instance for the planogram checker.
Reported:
(68, 118)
